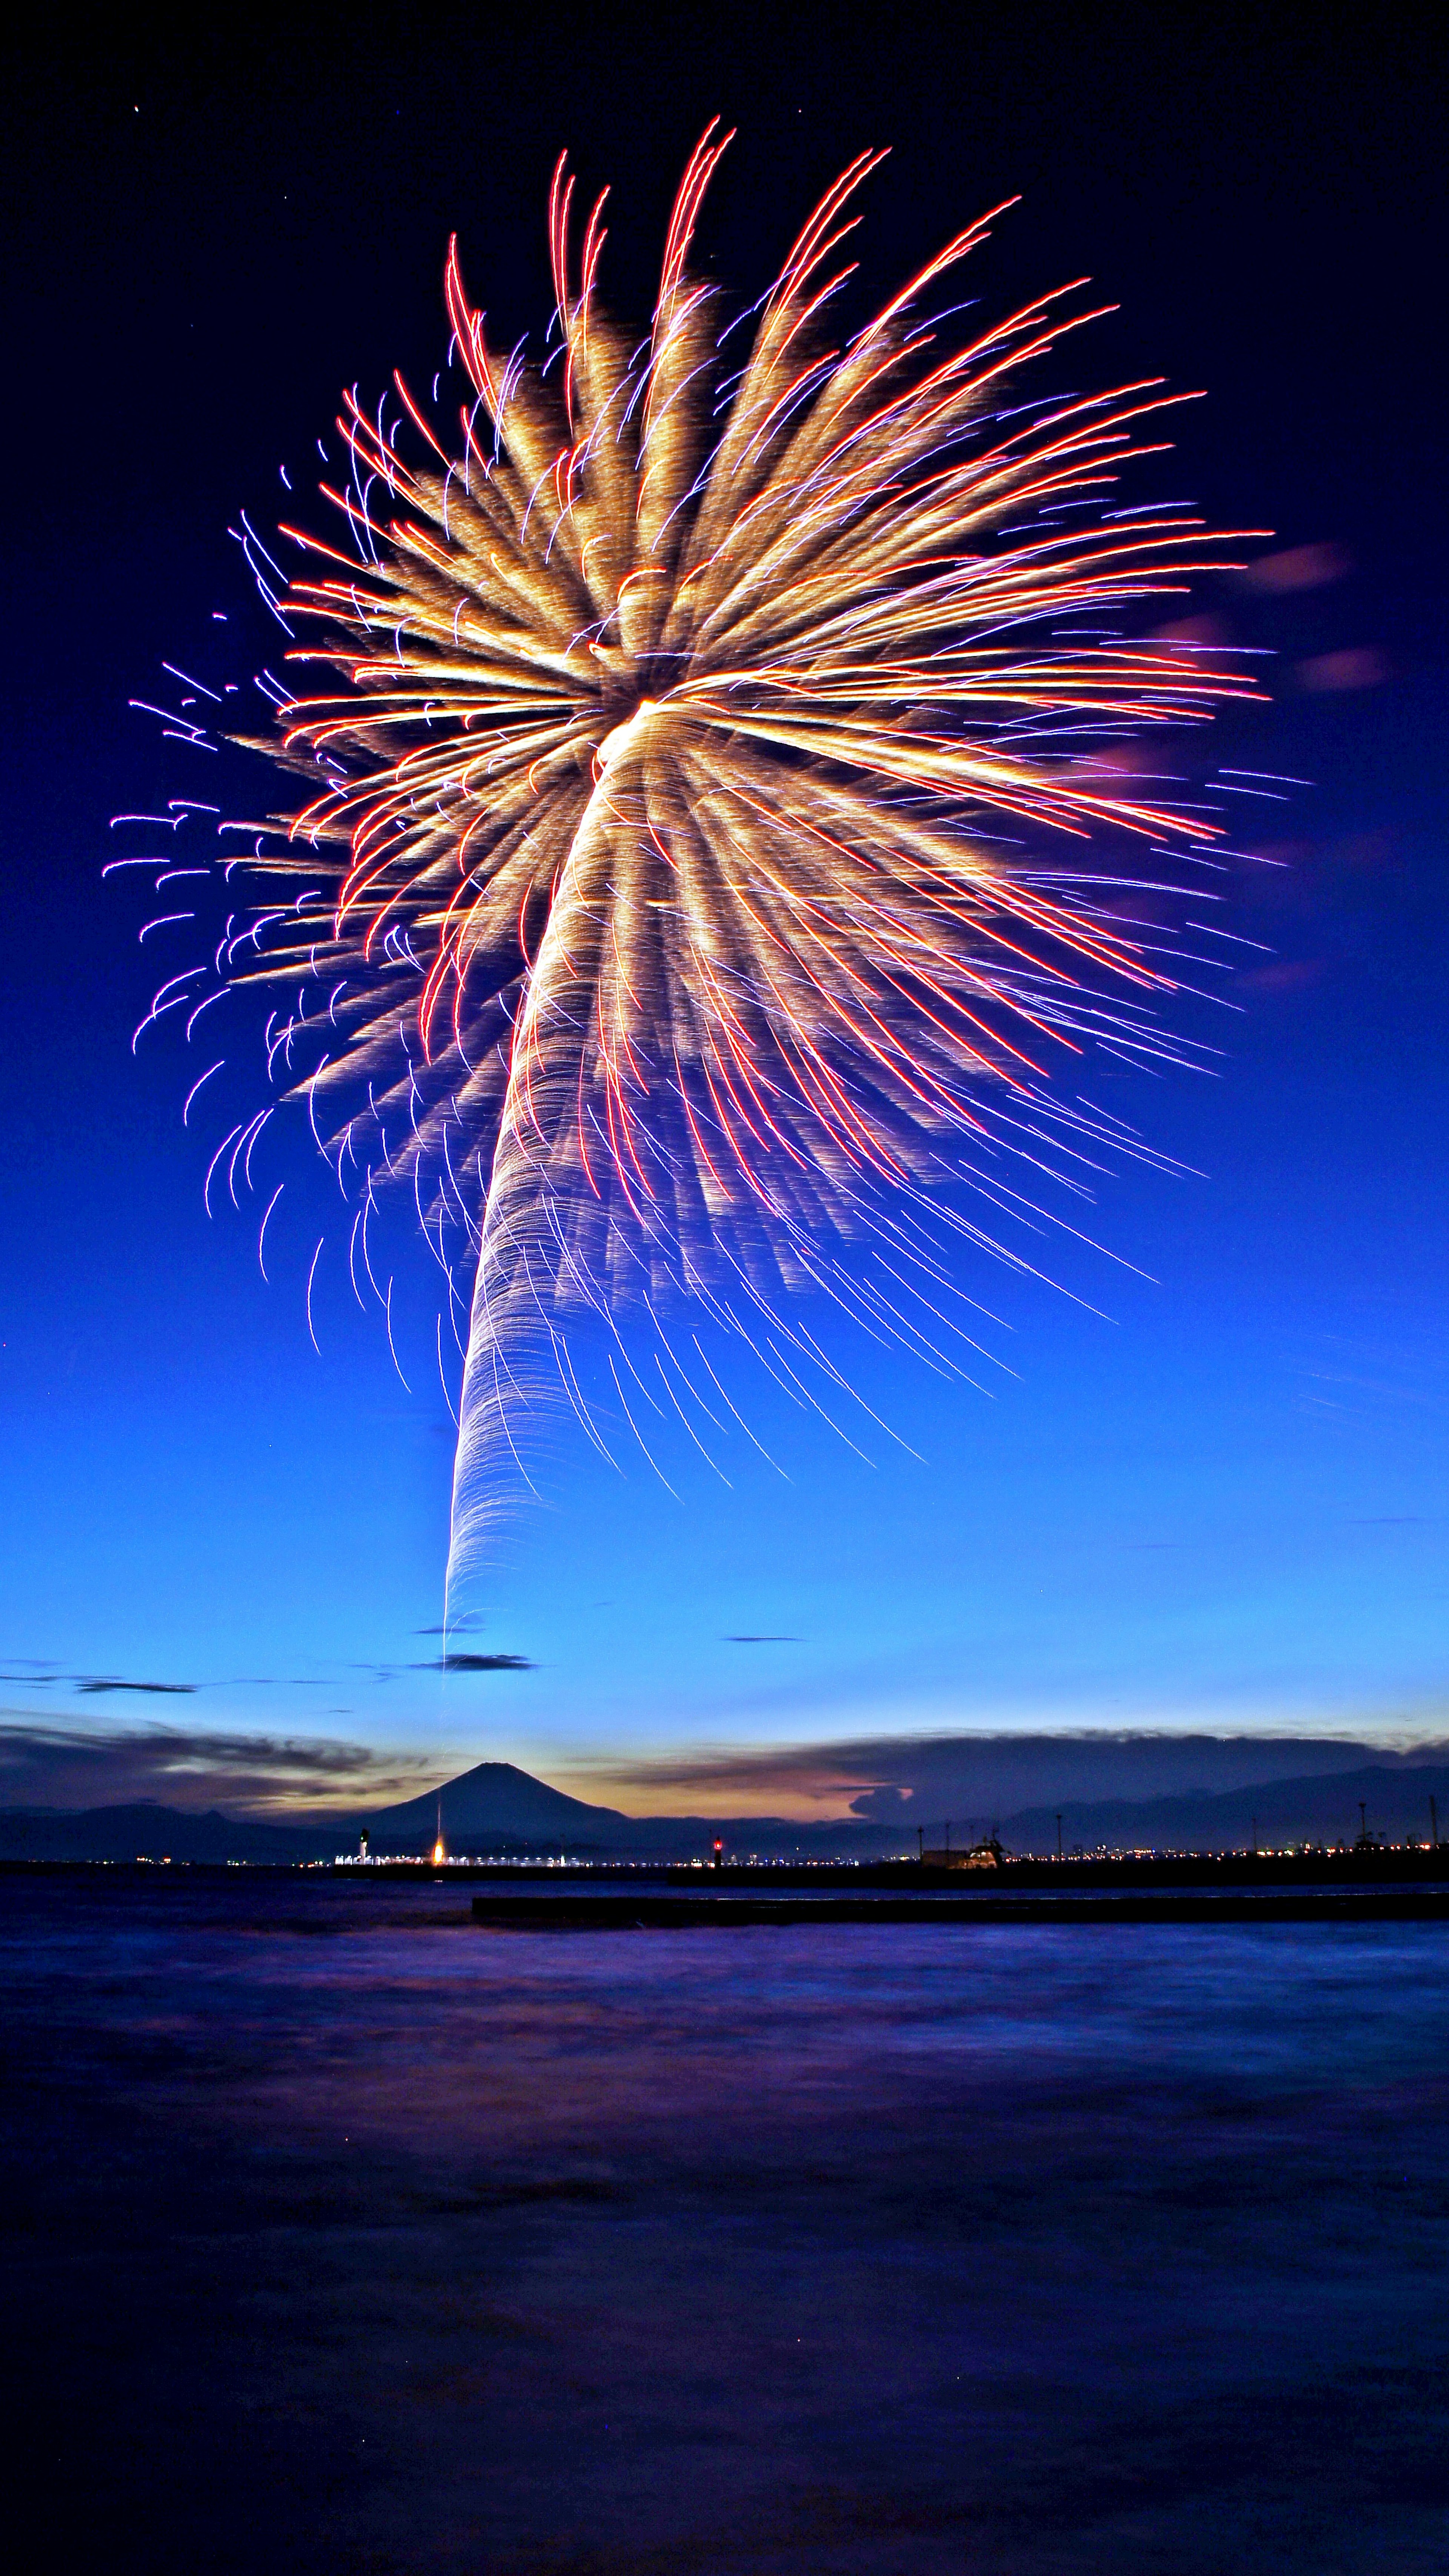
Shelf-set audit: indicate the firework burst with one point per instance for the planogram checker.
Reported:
(710, 855)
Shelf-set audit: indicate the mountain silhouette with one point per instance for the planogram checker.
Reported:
(495, 1799)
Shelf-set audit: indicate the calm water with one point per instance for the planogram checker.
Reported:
(344, 2235)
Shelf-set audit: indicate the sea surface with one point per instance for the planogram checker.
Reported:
(341, 2234)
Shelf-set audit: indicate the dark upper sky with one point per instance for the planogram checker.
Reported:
(207, 239)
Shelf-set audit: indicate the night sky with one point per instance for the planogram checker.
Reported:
(1213, 1496)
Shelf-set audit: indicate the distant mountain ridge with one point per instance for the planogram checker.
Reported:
(1314, 1807)
(144, 1830)
(498, 1809)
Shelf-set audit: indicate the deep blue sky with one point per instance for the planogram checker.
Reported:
(1224, 1507)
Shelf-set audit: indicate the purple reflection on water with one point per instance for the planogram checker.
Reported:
(346, 2235)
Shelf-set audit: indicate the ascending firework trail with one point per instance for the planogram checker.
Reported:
(698, 705)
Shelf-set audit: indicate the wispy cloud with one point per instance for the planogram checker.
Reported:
(928, 1777)
(466, 1663)
(109, 1682)
(31, 1673)
(255, 1775)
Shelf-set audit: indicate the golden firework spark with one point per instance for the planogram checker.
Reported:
(690, 734)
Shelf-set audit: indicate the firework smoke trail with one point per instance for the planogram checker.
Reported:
(692, 704)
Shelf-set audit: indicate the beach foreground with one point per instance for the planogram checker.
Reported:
(344, 2235)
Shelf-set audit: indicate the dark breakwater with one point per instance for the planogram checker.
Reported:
(647, 1909)
(340, 2236)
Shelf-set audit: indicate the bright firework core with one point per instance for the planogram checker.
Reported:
(711, 855)
(626, 735)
